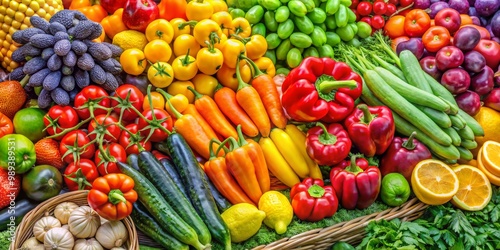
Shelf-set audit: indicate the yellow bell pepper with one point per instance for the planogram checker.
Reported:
(156, 98)
(232, 49)
(133, 61)
(160, 29)
(161, 74)
(185, 67)
(113, 24)
(180, 87)
(256, 46)
(180, 102)
(178, 31)
(209, 60)
(207, 31)
(198, 10)
(218, 5)
(266, 65)
(227, 76)
(222, 42)
(157, 51)
(185, 43)
(241, 27)
(205, 84)
(224, 19)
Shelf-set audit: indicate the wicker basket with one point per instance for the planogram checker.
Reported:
(25, 229)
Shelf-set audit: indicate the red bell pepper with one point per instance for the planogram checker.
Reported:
(320, 89)
(79, 176)
(371, 129)
(361, 161)
(356, 188)
(312, 200)
(403, 155)
(328, 146)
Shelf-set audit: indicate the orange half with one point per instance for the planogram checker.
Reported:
(434, 182)
(495, 180)
(491, 157)
(474, 188)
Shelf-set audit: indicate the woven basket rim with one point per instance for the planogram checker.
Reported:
(24, 229)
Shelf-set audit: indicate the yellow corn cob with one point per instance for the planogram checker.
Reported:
(15, 15)
(290, 152)
(299, 139)
(277, 164)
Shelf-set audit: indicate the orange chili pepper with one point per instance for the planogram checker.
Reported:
(207, 107)
(217, 172)
(191, 110)
(259, 161)
(90, 9)
(226, 100)
(250, 101)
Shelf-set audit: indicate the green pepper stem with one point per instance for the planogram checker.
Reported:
(241, 138)
(115, 196)
(185, 61)
(213, 154)
(177, 114)
(316, 191)
(327, 86)
(256, 69)
(367, 116)
(191, 23)
(165, 94)
(408, 144)
(25, 80)
(197, 95)
(326, 138)
(233, 142)
(241, 83)
(354, 168)
(218, 87)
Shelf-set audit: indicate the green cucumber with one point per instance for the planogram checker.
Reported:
(472, 123)
(466, 133)
(457, 121)
(411, 93)
(148, 225)
(133, 161)
(405, 128)
(404, 108)
(388, 66)
(453, 107)
(222, 203)
(465, 154)
(197, 188)
(159, 208)
(413, 71)
(172, 172)
(469, 144)
(455, 137)
(439, 117)
(162, 180)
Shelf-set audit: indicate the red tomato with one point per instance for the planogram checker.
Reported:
(417, 22)
(404, 3)
(379, 7)
(6, 126)
(116, 153)
(160, 118)
(395, 26)
(76, 145)
(91, 94)
(397, 40)
(354, 4)
(391, 9)
(105, 125)
(367, 20)
(491, 52)
(394, 2)
(130, 143)
(378, 22)
(59, 118)
(135, 98)
(364, 8)
(435, 38)
(79, 176)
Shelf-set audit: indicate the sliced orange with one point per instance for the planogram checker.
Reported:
(495, 180)
(434, 182)
(491, 157)
(474, 188)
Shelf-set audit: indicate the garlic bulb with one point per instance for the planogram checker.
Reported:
(112, 234)
(88, 244)
(58, 239)
(63, 210)
(43, 225)
(32, 244)
(83, 222)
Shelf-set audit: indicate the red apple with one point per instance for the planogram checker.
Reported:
(448, 18)
(137, 14)
(493, 99)
(469, 101)
(428, 64)
(112, 5)
(491, 52)
(449, 57)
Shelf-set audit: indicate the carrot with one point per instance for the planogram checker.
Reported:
(248, 98)
(266, 87)
(226, 100)
(191, 110)
(207, 107)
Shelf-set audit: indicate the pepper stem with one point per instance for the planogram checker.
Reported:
(367, 116)
(115, 196)
(354, 168)
(197, 94)
(326, 138)
(233, 142)
(176, 113)
(213, 154)
(316, 191)
(241, 138)
(241, 83)
(408, 144)
(256, 69)
(327, 86)
(191, 23)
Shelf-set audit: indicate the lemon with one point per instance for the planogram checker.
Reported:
(129, 39)
(474, 191)
(279, 211)
(243, 221)
(434, 182)
(489, 119)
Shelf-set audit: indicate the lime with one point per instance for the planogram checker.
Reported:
(17, 153)
(29, 122)
(395, 189)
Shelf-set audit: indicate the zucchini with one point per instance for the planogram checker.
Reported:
(457, 121)
(162, 180)
(222, 203)
(466, 133)
(23, 206)
(170, 168)
(413, 71)
(393, 69)
(455, 138)
(465, 154)
(197, 188)
(133, 161)
(159, 208)
(162, 147)
(148, 225)
(143, 247)
(405, 109)
(469, 144)
(439, 117)
(411, 93)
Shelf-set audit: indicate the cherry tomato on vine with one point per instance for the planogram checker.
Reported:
(76, 145)
(379, 7)
(59, 118)
(108, 126)
(91, 92)
(136, 98)
(367, 20)
(162, 118)
(364, 8)
(391, 9)
(378, 22)
(117, 152)
(404, 3)
(395, 2)
(79, 176)
(130, 144)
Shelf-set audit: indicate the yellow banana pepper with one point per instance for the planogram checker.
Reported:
(299, 139)
(277, 163)
(241, 27)
(256, 46)
(160, 29)
(224, 20)
(290, 152)
(205, 84)
(266, 65)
